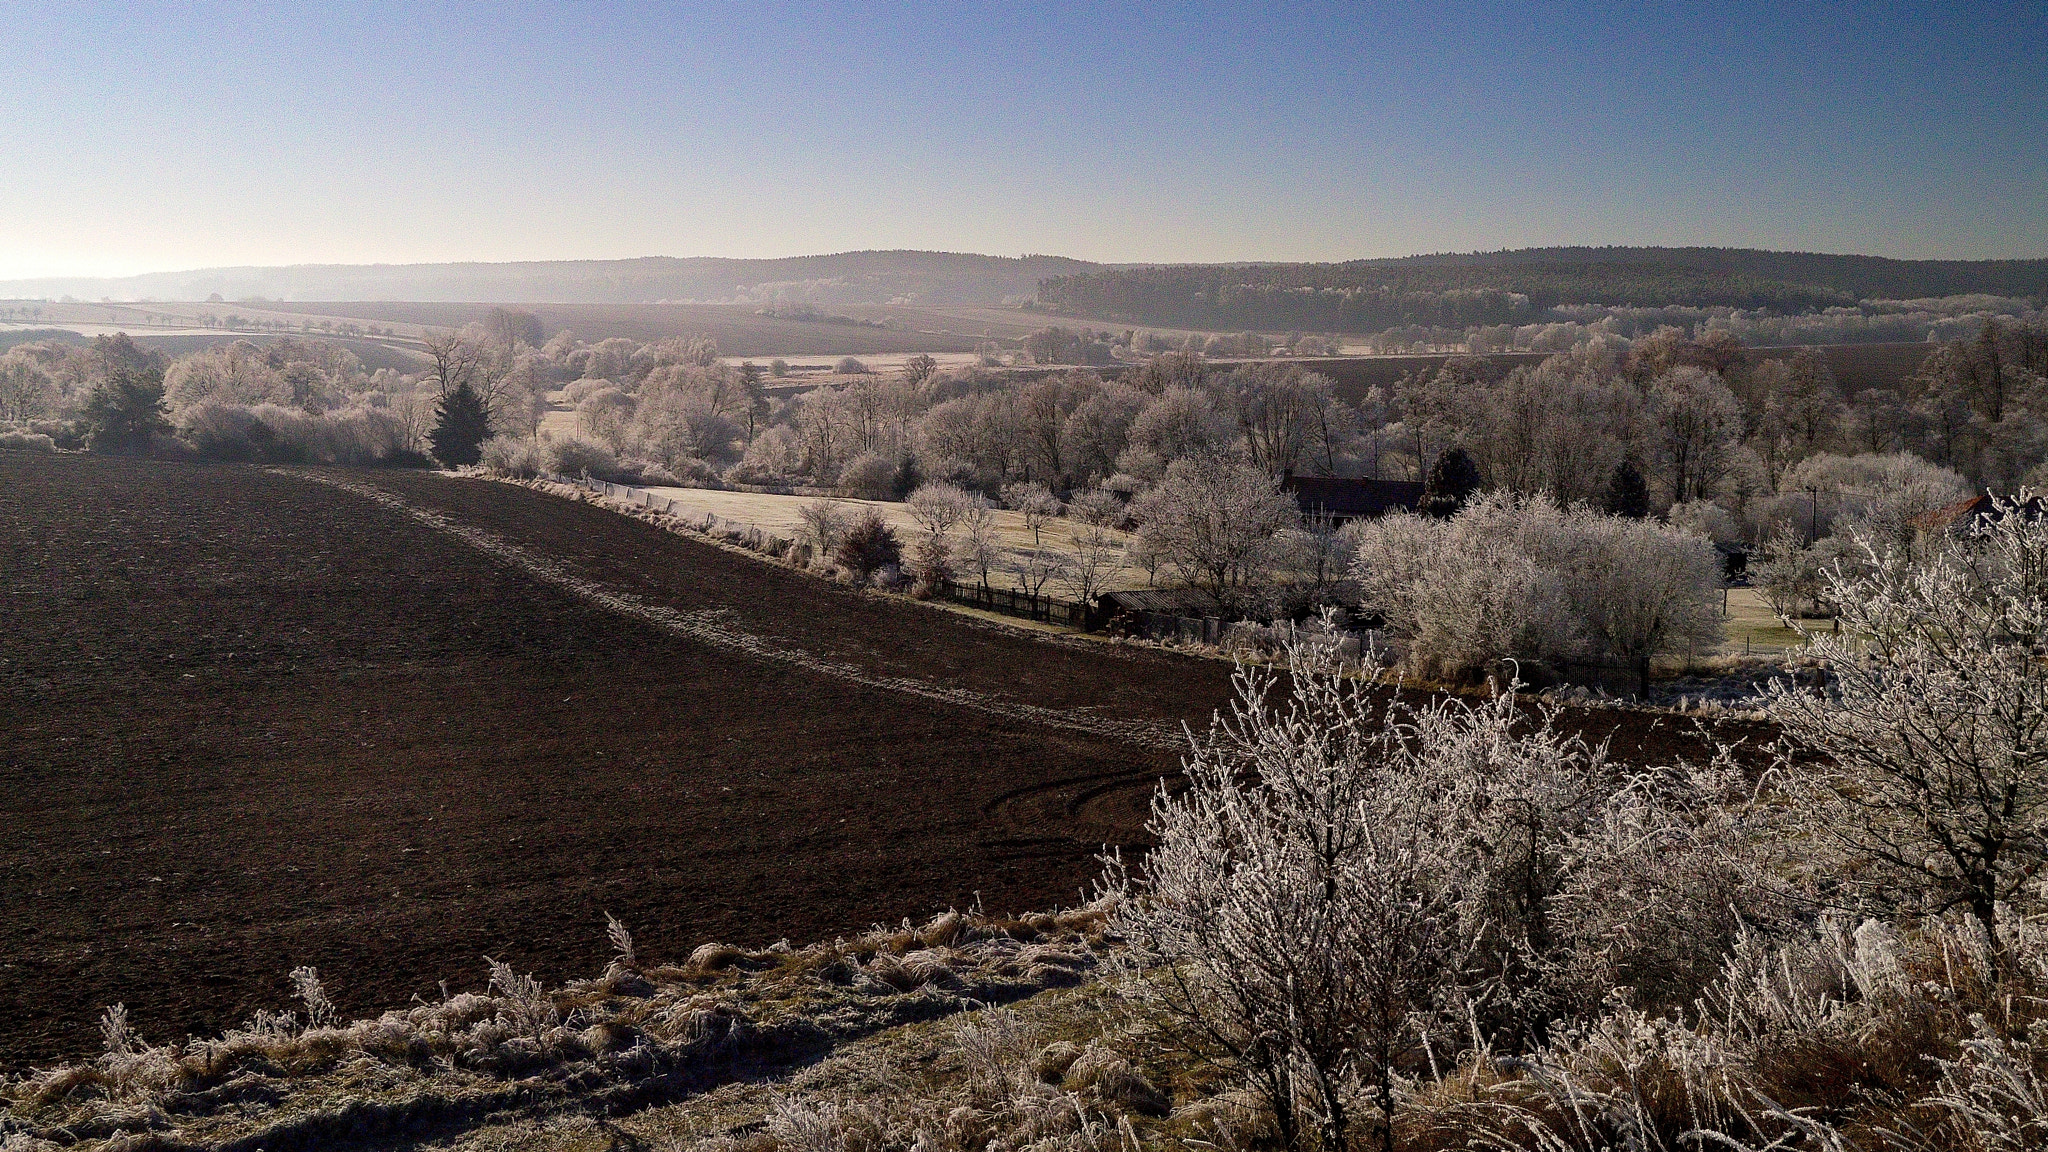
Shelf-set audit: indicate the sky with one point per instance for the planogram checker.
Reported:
(148, 137)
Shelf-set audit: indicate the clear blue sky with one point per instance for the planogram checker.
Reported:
(142, 136)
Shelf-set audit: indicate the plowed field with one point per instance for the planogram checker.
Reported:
(387, 724)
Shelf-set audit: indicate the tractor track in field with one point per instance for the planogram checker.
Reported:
(715, 627)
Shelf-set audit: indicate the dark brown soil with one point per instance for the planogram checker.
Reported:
(250, 721)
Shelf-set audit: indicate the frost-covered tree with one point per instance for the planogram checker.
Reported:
(1514, 579)
(937, 507)
(979, 547)
(1929, 748)
(1216, 520)
(1694, 422)
(1347, 886)
(919, 370)
(26, 390)
(1035, 502)
(1181, 422)
(1096, 554)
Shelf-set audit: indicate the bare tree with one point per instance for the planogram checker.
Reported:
(821, 524)
(1098, 553)
(474, 358)
(1277, 407)
(978, 546)
(1037, 568)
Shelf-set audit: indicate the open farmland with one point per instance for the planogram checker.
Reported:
(741, 330)
(388, 724)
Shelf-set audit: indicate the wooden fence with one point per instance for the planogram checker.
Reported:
(1013, 602)
(1614, 677)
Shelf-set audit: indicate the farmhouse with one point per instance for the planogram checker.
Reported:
(1344, 498)
(1965, 516)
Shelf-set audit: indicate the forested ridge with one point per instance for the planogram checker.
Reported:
(1456, 290)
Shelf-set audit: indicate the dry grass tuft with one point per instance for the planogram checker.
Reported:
(651, 1033)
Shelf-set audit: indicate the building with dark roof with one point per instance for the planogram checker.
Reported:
(1964, 516)
(1345, 498)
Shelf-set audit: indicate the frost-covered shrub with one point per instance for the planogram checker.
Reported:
(573, 457)
(1928, 743)
(1706, 519)
(820, 525)
(354, 436)
(869, 477)
(14, 440)
(512, 456)
(1522, 579)
(1457, 600)
(1344, 884)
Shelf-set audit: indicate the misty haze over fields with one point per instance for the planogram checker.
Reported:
(1125, 577)
(1630, 276)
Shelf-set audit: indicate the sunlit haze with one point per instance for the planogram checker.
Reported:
(148, 137)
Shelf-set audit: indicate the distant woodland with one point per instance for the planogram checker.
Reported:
(1520, 288)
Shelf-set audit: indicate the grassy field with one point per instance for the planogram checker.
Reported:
(779, 514)
(1752, 627)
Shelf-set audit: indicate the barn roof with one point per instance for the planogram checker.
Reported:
(1966, 513)
(1347, 497)
(1170, 601)
(1938, 519)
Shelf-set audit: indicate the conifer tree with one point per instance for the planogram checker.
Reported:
(1627, 494)
(460, 428)
(1452, 480)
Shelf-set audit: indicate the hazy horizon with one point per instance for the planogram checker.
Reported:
(237, 136)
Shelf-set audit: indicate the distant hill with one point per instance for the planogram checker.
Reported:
(1442, 290)
(938, 278)
(1459, 290)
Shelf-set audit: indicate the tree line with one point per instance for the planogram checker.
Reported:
(1512, 288)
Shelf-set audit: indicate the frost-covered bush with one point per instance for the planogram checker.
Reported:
(573, 457)
(361, 435)
(1706, 519)
(820, 524)
(869, 477)
(1930, 741)
(512, 456)
(1510, 578)
(15, 440)
(1346, 886)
